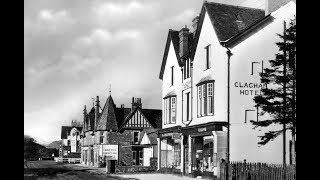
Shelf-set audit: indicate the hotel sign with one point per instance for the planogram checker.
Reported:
(110, 152)
(249, 88)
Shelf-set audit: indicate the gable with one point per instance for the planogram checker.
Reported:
(145, 139)
(227, 20)
(171, 44)
(137, 121)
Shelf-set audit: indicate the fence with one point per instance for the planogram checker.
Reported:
(68, 160)
(257, 171)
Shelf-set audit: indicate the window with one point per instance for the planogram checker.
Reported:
(140, 158)
(101, 139)
(134, 158)
(170, 153)
(172, 75)
(186, 69)
(208, 56)
(188, 106)
(135, 137)
(199, 100)
(210, 98)
(170, 110)
(69, 143)
(173, 110)
(205, 99)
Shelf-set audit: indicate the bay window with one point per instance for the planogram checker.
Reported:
(170, 110)
(205, 99)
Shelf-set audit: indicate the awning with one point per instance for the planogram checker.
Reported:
(139, 145)
(205, 80)
(170, 94)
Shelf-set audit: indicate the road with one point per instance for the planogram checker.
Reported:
(43, 170)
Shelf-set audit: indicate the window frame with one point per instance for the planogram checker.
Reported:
(208, 57)
(205, 98)
(172, 75)
(170, 116)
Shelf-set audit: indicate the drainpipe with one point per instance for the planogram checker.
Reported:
(228, 112)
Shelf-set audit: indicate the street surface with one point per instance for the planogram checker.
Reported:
(43, 170)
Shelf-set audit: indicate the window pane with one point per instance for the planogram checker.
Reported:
(173, 108)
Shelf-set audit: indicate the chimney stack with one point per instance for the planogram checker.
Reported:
(183, 41)
(136, 102)
(195, 22)
(84, 117)
(273, 5)
(96, 111)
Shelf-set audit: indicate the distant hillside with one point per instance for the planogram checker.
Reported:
(33, 150)
(54, 144)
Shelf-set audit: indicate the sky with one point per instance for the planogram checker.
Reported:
(75, 50)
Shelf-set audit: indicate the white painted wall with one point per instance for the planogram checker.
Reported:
(166, 85)
(145, 139)
(259, 46)
(147, 154)
(218, 71)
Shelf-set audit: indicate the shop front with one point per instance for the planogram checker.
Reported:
(205, 149)
(193, 151)
(169, 150)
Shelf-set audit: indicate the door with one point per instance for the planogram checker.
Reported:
(186, 159)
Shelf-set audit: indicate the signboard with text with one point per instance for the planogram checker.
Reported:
(73, 145)
(110, 152)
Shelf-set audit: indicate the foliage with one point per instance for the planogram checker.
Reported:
(278, 99)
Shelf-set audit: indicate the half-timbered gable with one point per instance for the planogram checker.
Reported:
(136, 120)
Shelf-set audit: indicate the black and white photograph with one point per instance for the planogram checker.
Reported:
(160, 89)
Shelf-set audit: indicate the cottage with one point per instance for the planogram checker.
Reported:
(112, 135)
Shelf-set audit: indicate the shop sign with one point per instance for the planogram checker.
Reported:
(176, 136)
(166, 134)
(110, 152)
(202, 129)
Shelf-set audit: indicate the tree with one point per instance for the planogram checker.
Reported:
(279, 99)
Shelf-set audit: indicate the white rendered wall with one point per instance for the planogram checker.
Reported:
(217, 71)
(166, 85)
(259, 46)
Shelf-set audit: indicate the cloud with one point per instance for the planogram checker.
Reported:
(179, 19)
(48, 22)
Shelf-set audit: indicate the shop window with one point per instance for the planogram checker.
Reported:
(203, 156)
(170, 153)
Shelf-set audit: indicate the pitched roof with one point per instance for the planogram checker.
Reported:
(65, 131)
(107, 120)
(152, 135)
(90, 118)
(174, 37)
(121, 114)
(153, 116)
(227, 20)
